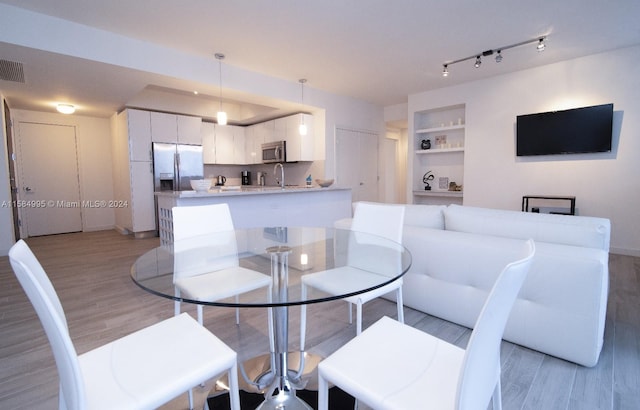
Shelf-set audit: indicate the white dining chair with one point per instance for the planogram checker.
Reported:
(395, 366)
(142, 370)
(210, 227)
(377, 220)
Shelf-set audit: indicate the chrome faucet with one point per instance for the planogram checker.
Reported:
(275, 167)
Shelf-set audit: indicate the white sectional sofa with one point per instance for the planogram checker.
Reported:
(458, 251)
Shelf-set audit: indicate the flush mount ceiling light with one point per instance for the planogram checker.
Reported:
(66, 108)
(303, 128)
(498, 51)
(221, 116)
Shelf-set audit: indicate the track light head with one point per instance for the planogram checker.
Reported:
(445, 70)
(499, 57)
(541, 46)
(478, 62)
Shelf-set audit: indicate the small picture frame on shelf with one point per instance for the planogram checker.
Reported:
(443, 183)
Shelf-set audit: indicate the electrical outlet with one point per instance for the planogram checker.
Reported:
(441, 139)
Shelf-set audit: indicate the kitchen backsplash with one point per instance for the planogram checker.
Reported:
(294, 173)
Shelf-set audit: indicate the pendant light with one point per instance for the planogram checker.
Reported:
(221, 116)
(303, 128)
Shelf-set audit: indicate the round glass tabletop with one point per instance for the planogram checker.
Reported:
(266, 267)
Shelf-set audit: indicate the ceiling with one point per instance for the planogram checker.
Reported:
(373, 50)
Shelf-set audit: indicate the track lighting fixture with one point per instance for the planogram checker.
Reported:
(498, 51)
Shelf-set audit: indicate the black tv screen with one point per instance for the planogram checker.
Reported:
(574, 131)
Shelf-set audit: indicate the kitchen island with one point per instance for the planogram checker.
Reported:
(258, 207)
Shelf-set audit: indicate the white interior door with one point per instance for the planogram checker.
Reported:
(49, 195)
(357, 163)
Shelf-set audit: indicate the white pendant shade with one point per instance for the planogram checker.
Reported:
(222, 118)
(302, 129)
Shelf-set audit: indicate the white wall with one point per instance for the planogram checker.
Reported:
(605, 185)
(94, 161)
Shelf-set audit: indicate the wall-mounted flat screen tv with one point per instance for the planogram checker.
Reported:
(574, 131)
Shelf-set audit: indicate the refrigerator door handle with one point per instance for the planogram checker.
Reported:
(176, 171)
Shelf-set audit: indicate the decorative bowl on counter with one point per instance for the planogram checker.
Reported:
(324, 182)
(201, 185)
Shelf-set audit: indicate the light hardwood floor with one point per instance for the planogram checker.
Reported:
(90, 272)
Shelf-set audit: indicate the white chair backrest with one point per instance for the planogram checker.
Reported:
(384, 221)
(204, 240)
(44, 299)
(190, 221)
(481, 366)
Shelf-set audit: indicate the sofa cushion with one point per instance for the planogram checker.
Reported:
(426, 216)
(582, 231)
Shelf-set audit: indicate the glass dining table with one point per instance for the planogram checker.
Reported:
(285, 255)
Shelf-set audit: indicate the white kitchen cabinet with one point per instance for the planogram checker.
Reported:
(239, 145)
(253, 144)
(299, 147)
(164, 127)
(189, 130)
(137, 128)
(224, 144)
(175, 129)
(208, 137)
(133, 173)
(143, 217)
(266, 131)
(227, 146)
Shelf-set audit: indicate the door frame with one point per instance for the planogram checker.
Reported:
(13, 183)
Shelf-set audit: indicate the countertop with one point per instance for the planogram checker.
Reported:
(245, 190)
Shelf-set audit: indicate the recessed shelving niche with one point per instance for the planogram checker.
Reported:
(444, 128)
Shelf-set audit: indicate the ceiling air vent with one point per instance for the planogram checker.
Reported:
(11, 71)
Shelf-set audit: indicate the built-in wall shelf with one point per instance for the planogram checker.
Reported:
(438, 150)
(442, 194)
(440, 129)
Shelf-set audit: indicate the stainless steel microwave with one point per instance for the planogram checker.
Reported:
(274, 152)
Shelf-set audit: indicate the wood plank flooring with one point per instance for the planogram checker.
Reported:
(90, 272)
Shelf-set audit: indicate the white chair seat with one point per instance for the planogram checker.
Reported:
(346, 279)
(221, 284)
(152, 366)
(410, 380)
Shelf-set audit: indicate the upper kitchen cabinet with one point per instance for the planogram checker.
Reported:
(299, 147)
(438, 155)
(224, 145)
(175, 129)
(253, 145)
(135, 128)
(208, 137)
(189, 130)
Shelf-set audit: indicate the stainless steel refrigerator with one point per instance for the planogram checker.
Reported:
(174, 165)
